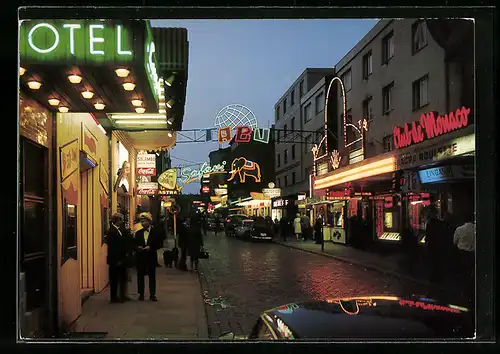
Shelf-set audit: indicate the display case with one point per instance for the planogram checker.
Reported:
(70, 231)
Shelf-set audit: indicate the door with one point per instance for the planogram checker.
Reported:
(34, 232)
(87, 227)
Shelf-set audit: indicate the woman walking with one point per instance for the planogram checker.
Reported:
(297, 227)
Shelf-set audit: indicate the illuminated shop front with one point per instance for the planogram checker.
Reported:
(78, 72)
(256, 207)
(284, 206)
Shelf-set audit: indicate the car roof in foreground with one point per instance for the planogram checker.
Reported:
(372, 317)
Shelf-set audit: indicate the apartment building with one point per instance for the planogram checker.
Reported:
(412, 81)
(289, 118)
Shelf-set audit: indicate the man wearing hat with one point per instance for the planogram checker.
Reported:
(147, 242)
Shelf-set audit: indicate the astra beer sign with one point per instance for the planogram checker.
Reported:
(77, 41)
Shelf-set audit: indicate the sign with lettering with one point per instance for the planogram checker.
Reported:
(281, 203)
(146, 161)
(150, 171)
(429, 126)
(150, 64)
(220, 191)
(445, 173)
(271, 192)
(244, 134)
(76, 41)
(189, 175)
(168, 179)
(421, 156)
(149, 188)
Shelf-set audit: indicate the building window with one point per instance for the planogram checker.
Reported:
(277, 113)
(279, 160)
(284, 131)
(292, 97)
(301, 88)
(308, 144)
(367, 65)
(368, 109)
(278, 182)
(387, 48)
(347, 81)
(420, 97)
(293, 178)
(277, 132)
(284, 106)
(387, 142)
(285, 155)
(307, 113)
(293, 124)
(293, 152)
(387, 98)
(286, 181)
(419, 36)
(320, 102)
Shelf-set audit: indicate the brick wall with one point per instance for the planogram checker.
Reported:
(34, 121)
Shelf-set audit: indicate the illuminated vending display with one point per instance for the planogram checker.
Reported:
(387, 219)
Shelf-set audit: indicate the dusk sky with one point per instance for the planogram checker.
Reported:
(252, 62)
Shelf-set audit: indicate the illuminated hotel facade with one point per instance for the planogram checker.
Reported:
(88, 88)
(408, 140)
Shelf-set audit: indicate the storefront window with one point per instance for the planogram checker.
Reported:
(388, 219)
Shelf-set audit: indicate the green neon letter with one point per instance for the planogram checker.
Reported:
(34, 47)
(95, 39)
(119, 42)
(72, 28)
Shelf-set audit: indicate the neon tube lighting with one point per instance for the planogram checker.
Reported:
(140, 116)
(140, 122)
(370, 173)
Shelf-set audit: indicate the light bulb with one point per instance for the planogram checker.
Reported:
(75, 79)
(63, 109)
(140, 110)
(170, 103)
(170, 121)
(136, 103)
(99, 106)
(169, 134)
(34, 85)
(21, 71)
(122, 72)
(87, 94)
(128, 86)
(54, 102)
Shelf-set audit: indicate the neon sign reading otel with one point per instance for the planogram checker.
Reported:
(432, 126)
(93, 38)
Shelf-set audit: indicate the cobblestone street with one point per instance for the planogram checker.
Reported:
(241, 279)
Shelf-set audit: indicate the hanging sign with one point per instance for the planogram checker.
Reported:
(245, 168)
(430, 126)
(146, 161)
(149, 188)
(189, 175)
(244, 134)
(151, 171)
(168, 178)
(220, 191)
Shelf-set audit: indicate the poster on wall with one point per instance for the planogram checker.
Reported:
(69, 155)
(89, 142)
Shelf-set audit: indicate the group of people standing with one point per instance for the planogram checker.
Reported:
(127, 249)
(300, 227)
(190, 240)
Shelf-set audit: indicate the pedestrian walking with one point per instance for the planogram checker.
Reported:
(465, 240)
(297, 227)
(306, 226)
(195, 240)
(148, 243)
(284, 227)
(318, 230)
(435, 232)
(182, 243)
(117, 253)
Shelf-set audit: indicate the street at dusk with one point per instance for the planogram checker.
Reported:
(247, 179)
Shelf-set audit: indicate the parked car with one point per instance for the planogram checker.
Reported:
(231, 222)
(369, 318)
(258, 229)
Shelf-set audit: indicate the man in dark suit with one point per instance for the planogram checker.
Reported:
(148, 243)
(117, 252)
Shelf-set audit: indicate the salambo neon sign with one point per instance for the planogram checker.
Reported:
(433, 127)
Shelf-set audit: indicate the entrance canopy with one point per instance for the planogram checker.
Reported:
(110, 69)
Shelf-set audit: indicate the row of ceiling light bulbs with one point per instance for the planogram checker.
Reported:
(76, 79)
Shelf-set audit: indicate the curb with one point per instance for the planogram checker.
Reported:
(367, 266)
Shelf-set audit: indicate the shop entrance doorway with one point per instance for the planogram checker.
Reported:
(86, 248)
(34, 236)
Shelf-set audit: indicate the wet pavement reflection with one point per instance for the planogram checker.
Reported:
(252, 277)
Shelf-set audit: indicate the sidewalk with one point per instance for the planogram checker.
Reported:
(178, 315)
(386, 264)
